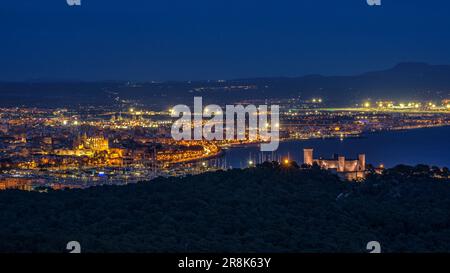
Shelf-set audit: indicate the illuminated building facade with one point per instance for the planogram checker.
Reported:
(16, 183)
(96, 144)
(92, 147)
(351, 169)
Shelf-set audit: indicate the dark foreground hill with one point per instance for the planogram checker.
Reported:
(264, 209)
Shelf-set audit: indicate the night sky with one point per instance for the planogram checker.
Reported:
(216, 39)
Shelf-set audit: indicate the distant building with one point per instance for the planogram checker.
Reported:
(16, 183)
(47, 140)
(350, 168)
(91, 143)
(94, 147)
(86, 146)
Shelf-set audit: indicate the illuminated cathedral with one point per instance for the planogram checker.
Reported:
(96, 144)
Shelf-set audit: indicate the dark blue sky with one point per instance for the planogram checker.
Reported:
(216, 39)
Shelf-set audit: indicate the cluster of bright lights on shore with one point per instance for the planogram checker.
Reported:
(409, 105)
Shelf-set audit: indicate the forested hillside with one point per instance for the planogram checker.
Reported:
(270, 208)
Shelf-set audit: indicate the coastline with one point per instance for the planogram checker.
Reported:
(406, 146)
(363, 134)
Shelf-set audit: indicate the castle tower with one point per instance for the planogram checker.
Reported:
(362, 162)
(308, 156)
(341, 164)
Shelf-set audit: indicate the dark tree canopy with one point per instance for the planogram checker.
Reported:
(270, 208)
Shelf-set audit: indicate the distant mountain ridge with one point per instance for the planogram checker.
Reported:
(405, 81)
(402, 82)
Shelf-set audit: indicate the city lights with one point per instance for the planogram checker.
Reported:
(56, 140)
